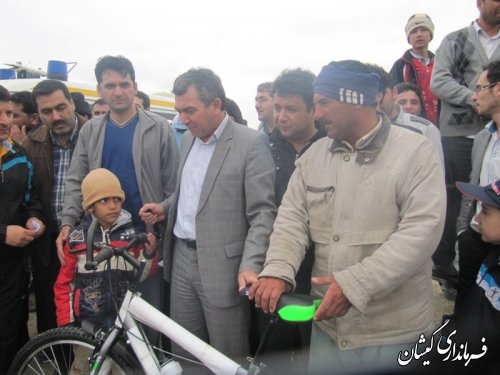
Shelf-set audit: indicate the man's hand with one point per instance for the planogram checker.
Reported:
(335, 303)
(36, 225)
(246, 279)
(267, 291)
(61, 239)
(151, 213)
(18, 236)
(17, 134)
(150, 245)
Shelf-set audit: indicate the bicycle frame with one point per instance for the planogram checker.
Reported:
(135, 309)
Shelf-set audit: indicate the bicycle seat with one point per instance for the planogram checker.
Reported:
(297, 307)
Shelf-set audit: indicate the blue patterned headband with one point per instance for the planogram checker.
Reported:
(347, 87)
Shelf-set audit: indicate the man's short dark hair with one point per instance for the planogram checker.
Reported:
(408, 86)
(207, 83)
(385, 79)
(146, 102)
(81, 105)
(493, 74)
(266, 87)
(296, 82)
(99, 101)
(118, 64)
(4, 94)
(233, 110)
(49, 86)
(25, 99)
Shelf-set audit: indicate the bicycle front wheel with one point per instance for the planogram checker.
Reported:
(65, 351)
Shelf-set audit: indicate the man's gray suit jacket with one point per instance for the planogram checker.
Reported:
(235, 213)
(467, 209)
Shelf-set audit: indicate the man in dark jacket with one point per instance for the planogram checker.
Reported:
(416, 64)
(294, 133)
(50, 147)
(20, 224)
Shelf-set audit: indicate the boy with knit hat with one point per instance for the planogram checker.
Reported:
(416, 64)
(92, 295)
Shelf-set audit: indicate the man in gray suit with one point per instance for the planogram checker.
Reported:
(219, 219)
(485, 169)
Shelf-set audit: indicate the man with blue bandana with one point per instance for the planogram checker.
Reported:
(371, 198)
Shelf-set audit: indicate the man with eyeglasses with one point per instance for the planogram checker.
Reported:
(264, 108)
(458, 63)
(485, 170)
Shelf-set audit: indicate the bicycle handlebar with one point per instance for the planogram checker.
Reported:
(294, 307)
(106, 252)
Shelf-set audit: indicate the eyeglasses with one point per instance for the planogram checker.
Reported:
(480, 87)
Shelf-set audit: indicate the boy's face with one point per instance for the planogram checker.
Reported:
(489, 223)
(107, 211)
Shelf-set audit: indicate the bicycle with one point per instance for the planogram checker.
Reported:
(125, 349)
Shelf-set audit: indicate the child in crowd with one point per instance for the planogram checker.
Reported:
(92, 295)
(473, 334)
(468, 342)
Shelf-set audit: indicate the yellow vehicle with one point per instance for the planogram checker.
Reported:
(22, 78)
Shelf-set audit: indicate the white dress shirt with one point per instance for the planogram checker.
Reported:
(192, 178)
(489, 43)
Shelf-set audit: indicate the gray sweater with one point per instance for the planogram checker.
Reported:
(155, 160)
(460, 59)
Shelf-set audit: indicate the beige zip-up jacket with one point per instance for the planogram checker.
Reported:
(375, 216)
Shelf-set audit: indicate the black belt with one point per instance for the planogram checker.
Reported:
(191, 244)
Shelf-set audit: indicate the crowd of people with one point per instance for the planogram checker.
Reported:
(350, 190)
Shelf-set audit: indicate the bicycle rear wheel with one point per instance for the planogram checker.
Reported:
(65, 351)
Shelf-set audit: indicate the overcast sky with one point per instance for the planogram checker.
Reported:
(244, 42)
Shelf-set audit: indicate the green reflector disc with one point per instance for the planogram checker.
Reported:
(296, 313)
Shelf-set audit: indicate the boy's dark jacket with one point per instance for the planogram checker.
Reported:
(82, 294)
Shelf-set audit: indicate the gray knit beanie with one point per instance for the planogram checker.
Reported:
(419, 20)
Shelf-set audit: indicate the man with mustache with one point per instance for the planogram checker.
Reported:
(50, 147)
